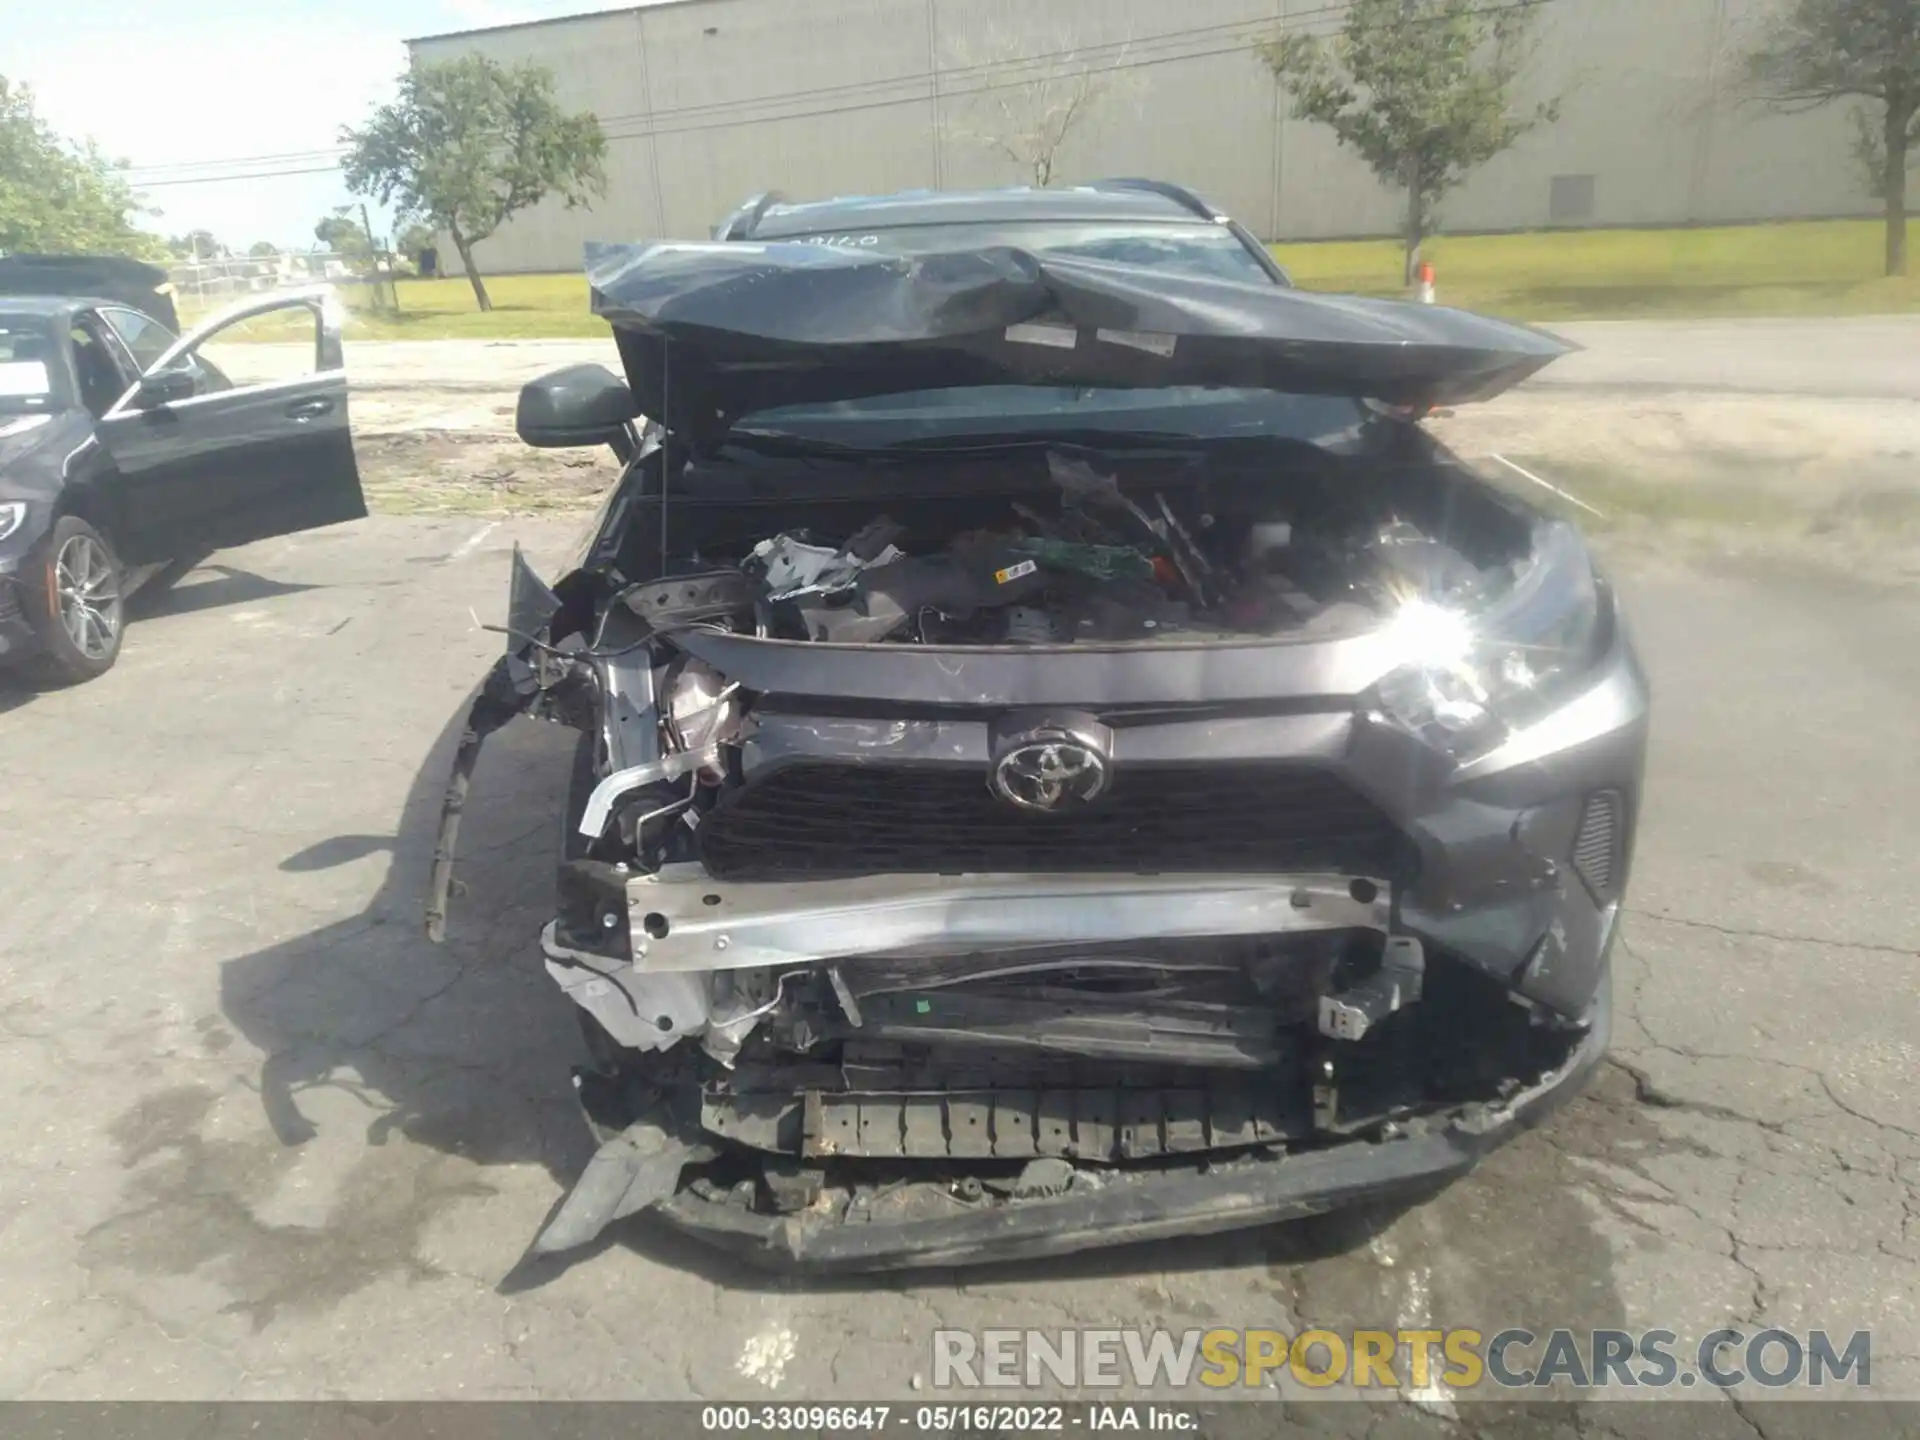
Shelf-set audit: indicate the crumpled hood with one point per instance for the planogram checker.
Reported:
(750, 326)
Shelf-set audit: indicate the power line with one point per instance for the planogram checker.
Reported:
(619, 127)
(223, 179)
(919, 82)
(1011, 62)
(1233, 49)
(854, 87)
(285, 157)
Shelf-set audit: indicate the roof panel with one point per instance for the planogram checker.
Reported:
(961, 207)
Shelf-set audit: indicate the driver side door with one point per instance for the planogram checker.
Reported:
(203, 459)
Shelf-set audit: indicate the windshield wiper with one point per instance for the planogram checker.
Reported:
(1087, 437)
(801, 447)
(785, 443)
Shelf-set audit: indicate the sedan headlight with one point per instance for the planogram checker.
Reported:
(1468, 671)
(13, 514)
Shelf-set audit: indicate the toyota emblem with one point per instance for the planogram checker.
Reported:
(1049, 772)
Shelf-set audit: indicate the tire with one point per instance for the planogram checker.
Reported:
(72, 596)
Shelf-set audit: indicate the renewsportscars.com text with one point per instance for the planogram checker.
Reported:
(1459, 1359)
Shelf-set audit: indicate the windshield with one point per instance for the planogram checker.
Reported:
(1186, 249)
(1003, 411)
(1211, 251)
(28, 377)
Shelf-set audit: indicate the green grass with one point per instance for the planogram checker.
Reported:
(525, 307)
(1812, 267)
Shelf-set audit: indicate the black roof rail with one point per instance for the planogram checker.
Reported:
(740, 224)
(1179, 194)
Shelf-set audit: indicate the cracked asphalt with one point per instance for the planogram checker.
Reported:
(263, 1140)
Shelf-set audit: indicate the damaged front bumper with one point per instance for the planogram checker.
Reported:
(1052, 1206)
(1123, 1208)
(956, 1125)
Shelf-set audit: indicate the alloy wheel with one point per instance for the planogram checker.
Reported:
(89, 596)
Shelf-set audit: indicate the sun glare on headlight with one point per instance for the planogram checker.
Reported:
(1423, 633)
(1463, 674)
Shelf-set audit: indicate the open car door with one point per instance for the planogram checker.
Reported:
(210, 452)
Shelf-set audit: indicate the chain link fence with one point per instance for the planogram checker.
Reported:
(365, 282)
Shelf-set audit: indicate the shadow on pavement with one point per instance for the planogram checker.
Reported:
(440, 1031)
(158, 597)
(17, 687)
(193, 592)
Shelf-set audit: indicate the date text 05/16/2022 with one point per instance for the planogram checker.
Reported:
(945, 1419)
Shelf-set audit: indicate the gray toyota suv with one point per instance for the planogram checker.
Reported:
(1065, 757)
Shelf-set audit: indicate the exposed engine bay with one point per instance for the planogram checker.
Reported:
(1010, 555)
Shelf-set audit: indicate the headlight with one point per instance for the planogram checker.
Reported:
(13, 514)
(1469, 671)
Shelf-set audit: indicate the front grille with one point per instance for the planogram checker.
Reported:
(814, 820)
(1596, 847)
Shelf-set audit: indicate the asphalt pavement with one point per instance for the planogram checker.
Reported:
(263, 1140)
(1866, 357)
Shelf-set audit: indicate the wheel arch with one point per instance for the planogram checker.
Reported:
(85, 502)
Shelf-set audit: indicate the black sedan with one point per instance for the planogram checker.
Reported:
(127, 453)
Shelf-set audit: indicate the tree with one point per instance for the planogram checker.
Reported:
(1037, 94)
(470, 142)
(414, 238)
(195, 245)
(1420, 88)
(1820, 51)
(342, 234)
(263, 250)
(58, 197)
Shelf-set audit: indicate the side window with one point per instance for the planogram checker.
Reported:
(101, 365)
(145, 338)
(289, 339)
(264, 347)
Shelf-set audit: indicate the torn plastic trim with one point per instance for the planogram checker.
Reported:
(509, 689)
(683, 919)
(635, 1170)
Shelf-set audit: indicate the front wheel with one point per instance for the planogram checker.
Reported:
(73, 597)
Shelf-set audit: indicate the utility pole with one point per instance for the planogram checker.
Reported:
(933, 86)
(381, 257)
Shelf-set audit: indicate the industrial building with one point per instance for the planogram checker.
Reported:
(705, 102)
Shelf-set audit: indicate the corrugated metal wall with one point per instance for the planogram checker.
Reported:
(705, 102)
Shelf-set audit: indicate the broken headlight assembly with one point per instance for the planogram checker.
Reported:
(1470, 670)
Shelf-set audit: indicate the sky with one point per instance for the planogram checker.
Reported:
(181, 92)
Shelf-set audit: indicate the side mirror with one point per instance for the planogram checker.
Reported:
(158, 387)
(578, 405)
